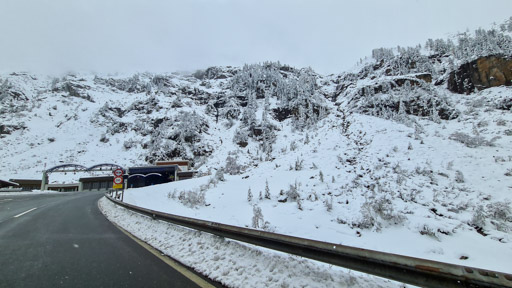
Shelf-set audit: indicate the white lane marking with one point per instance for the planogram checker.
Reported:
(21, 214)
(5, 200)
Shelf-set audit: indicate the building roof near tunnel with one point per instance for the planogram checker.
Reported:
(152, 169)
(26, 181)
(5, 183)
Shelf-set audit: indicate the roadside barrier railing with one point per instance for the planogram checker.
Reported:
(410, 270)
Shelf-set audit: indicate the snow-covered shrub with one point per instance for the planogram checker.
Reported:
(257, 218)
(219, 174)
(434, 230)
(328, 204)
(504, 104)
(500, 214)
(291, 194)
(133, 84)
(376, 211)
(501, 122)
(411, 98)
(188, 127)
(128, 144)
(299, 163)
(192, 198)
(293, 145)
(241, 137)
(299, 204)
(479, 217)
(104, 138)
(258, 222)
(383, 206)
(449, 166)
(232, 167)
(459, 177)
(472, 141)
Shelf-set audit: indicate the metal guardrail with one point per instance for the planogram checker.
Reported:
(415, 271)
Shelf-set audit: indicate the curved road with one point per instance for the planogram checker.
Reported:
(66, 242)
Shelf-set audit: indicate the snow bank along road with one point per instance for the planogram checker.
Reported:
(63, 240)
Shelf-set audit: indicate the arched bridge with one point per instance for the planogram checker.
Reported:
(77, 168)
(81, 168)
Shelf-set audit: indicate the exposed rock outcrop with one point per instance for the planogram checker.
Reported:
(480, 74)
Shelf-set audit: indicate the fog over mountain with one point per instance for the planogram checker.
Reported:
(165, 36)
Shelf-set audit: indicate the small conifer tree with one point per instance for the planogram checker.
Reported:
(267, 190)
(249, 195)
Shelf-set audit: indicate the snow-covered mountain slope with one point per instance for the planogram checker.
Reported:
(386, 187)
(384, 157)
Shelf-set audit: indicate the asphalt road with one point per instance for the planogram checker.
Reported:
(67, 242)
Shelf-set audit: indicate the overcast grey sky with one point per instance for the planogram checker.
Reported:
(55, 36)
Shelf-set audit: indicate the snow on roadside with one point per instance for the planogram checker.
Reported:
(33, 192)
(232, 263)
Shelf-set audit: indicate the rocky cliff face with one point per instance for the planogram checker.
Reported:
(485, 72)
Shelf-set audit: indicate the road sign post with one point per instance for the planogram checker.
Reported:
(118, 182)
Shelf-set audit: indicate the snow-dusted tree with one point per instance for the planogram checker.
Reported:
(249, 195)
(179, 137)
(223, 106)
(295, 90)
(232, 167)
(4, 89)
(267, 190)
(380, 54)
(257, 218)
(249, 114)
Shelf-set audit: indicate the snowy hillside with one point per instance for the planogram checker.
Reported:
(408, 153)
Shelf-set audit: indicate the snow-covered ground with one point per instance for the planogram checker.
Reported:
(33, 192)
(236, 264)
(417, 182)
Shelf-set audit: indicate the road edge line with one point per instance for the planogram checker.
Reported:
(182, 269)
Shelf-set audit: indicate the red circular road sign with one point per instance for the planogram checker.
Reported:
(118, 180)
(118, 172)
